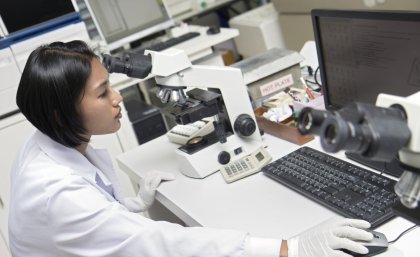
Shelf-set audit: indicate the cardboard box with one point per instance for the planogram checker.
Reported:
(269, 73)
(285, 130)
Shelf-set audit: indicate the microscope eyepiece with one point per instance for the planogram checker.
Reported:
(310, 120)
(374, 132)
(113, 64)
(131, 64)
(338, 134)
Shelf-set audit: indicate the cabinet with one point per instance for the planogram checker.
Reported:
(4, 250)
(14, 130)
(22, 49)
(13, 59)
(10, 75)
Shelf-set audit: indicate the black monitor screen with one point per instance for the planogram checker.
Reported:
(22, 14)
(364, 53)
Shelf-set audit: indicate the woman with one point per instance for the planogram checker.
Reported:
(65, 198)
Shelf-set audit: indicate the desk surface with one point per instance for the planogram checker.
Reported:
(256, 204)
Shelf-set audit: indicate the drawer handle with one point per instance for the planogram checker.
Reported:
(1, 203)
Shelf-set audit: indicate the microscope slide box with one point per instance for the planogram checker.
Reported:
(285, 130)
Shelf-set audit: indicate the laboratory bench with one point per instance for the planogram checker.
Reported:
(256, 204)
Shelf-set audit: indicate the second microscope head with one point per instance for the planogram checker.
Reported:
(374, 132)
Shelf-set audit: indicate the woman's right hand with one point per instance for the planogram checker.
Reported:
(326, 239)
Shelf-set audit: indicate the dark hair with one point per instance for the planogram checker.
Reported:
(51, 87)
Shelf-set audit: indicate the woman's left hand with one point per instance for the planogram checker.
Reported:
(146, 195)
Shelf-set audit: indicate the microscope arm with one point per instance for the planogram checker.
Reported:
(178, 72)
(410, 153)
(408, 186)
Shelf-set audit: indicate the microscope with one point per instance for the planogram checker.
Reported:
(218, 92)
(379, 133)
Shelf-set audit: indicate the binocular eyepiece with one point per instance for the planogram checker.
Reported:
(310, 120)
(371, 131)
(133, 65)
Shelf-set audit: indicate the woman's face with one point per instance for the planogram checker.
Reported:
(99, 106)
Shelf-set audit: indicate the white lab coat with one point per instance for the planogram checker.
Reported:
(58, 210)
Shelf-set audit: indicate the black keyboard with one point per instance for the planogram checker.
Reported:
(347, 189)
(166, 44)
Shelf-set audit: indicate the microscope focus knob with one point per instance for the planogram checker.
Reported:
(223, 157)
(244, 125)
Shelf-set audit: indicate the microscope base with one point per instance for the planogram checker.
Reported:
(412, 215)
(205, 162)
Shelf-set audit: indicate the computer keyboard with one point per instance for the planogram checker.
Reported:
(167, 44)
(347, 189)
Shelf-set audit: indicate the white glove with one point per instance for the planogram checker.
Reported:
(146, 195)
(326, 239)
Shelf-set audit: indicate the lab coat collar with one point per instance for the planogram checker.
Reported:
(69, 157)
(103, 165)
(101, 160)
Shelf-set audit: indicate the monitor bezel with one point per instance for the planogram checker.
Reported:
(57, 19)
(355, 14)
(121, 43)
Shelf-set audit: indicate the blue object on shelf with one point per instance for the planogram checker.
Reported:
(39, 29)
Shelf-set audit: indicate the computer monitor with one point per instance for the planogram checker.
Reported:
(120, 22)
(305, 6)
(21, 15)
(364, 53)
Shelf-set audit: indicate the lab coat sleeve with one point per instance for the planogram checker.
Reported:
(264, 247)
(84, 223)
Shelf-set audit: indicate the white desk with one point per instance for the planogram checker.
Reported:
(256, 204)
